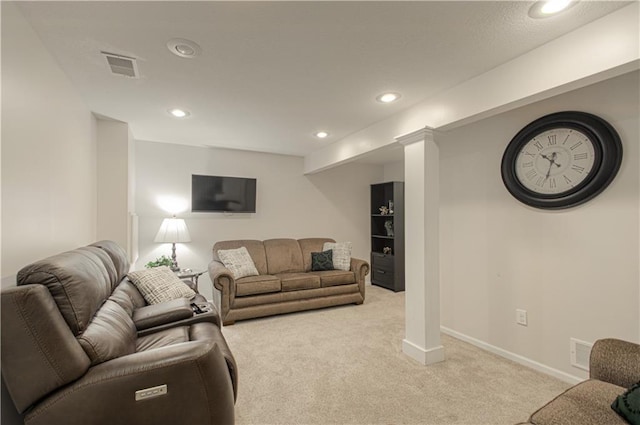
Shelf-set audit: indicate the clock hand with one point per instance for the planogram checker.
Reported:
(546, 157)
(554, 155)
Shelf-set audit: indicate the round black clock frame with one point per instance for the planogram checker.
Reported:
(607, 159)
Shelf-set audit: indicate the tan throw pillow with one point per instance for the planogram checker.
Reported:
(160, 284)
(341, 254)
(238, 261)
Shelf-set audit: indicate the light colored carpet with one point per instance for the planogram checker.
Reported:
(344, 365)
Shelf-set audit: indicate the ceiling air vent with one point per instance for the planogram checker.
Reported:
(121, 65)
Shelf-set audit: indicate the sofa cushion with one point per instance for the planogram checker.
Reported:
(335, 277)
(160, 284)
(587, 403)
(627, 405)
(255, 248)
(296, 281)
(77, 280)
(262, 284)
(238, 261)
(341, 254)
(128, 297)
(163, 338)
(110, 334)
(283, 256)
(118, 257)
(309, 245)
(322, 261)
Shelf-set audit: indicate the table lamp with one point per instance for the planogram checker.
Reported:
(173, 230)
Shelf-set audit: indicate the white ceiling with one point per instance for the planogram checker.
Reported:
(271, 74)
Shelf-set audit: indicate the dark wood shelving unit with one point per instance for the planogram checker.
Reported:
(387, 231)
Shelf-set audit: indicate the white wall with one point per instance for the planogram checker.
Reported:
(331, 204)
(115, 191)
(575, 271)
(393, 171)
(48, 153)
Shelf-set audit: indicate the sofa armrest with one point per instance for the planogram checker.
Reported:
(615, 361)
(223, 281)
(199, 390)
(361, 269)
(162, 313)
(221, 276)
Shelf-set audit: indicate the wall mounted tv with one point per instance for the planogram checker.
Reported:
(223, 194)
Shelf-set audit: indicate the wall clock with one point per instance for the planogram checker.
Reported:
(561, 160)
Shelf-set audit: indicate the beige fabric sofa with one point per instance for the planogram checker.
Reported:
(614, 367)
(285, 283)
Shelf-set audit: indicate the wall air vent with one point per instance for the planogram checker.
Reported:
(580, 353)
(121, 65)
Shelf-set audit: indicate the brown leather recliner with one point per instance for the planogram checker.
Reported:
(80, 346)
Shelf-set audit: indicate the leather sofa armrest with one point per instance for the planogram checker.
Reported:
(195, 371)
(615, 361)
(162, 313)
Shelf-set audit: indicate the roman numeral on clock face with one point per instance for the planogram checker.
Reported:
(574, 146)
(531, 174)
(579, 156)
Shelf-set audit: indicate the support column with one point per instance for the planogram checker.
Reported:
(422, 247)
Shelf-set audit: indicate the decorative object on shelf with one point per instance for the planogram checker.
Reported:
(384, 210)
(162, 260)
(390, 207)
(561, 160)
(173, 230)
(388, 226)
(386, 250)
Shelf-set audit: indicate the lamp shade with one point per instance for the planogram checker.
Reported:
(173, 230)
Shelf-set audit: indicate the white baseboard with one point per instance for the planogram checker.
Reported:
(425, 357)
(563, 376)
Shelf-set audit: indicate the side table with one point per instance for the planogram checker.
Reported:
(192, 275)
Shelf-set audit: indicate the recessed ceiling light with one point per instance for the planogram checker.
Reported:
(322, 134)
(183, 48)
(547, 8)
(388, 97)
(179, 113)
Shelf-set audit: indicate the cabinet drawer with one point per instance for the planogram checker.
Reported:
(384, 262)
(382, 276)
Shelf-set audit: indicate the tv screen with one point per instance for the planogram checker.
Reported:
(222, 194)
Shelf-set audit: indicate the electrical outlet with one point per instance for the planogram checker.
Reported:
(521, 317)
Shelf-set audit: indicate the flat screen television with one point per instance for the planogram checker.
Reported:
(223, 194)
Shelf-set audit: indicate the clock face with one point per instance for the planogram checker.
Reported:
(561, 160)
(555, 161)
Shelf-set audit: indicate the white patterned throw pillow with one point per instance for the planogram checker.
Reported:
(160, 284)
(238, 261)
(341, 254)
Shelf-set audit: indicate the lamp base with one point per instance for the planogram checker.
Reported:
(174, 261)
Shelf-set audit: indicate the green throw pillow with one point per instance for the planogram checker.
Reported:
(627, 405)
(321, 261)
